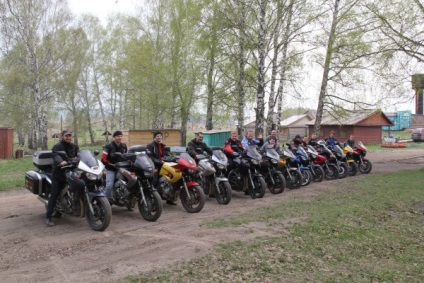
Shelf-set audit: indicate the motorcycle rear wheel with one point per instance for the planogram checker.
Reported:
(102, 214)
(195, 201)
(225, 193)
(279, 183)
(153, 210)
(258, 191)
(365, 167)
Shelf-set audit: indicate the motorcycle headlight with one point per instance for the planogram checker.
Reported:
(148, 174)
(220, 166)
(255, 162)
(92, 177)
(191, 171)
(273, 161)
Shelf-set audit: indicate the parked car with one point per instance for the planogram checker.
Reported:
(417, 134)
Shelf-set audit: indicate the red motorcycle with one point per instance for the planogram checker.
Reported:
(359, 152)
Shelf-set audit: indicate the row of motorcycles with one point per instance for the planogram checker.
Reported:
(182, 177)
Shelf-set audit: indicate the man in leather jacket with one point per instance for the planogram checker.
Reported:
(58, 175)
(197, 146)
(109, 159)
(156, 151)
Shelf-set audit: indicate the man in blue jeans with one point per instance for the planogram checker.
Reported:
(109, 159)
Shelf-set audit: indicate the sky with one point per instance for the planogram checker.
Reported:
(102, 8)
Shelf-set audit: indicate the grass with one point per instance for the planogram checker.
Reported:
(12, 171)
(370, 230)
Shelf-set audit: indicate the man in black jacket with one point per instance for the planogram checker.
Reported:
(109, 159)
(58, 175)
(156, 151)
(197, 146)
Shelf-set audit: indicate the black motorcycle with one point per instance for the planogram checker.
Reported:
(244, 173)
(133, 185)
(273, 177)
(83, 194)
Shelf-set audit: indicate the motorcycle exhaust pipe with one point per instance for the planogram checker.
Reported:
(43, 200)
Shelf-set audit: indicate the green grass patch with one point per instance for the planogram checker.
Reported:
(12, 171)
(369, 230)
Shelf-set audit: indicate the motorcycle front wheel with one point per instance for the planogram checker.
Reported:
(258, 191)
(352, 168)
(100, 220)
(331, 172)
(150, 210)
(343, 169)
(294, 180)
(225, 193)
(365, 167)
(306, 177)
(318, 174)
(279, 183)
(194, 201)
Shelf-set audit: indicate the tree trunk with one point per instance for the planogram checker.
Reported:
(324, 82)
(260, 109)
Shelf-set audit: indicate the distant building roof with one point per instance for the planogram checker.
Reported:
(354, 118)
(295, 118)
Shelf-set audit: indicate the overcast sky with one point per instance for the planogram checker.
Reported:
(102, 8)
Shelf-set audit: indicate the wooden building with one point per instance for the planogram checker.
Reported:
(365, 125)
(295, 125)
(171, 137)
(6, 142)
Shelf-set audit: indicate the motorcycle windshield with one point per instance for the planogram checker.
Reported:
(312, 150)
(272, 153)
(287, 153)
(219, 157)
(361, 145)
(187, 161)
(253, 153)
(337, 149)
(88, 158)
(144, 162)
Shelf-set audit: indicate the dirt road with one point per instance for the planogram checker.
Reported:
(72, 252)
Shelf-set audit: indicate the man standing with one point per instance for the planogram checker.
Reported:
(351, 141)
(58, 175)
(197, 146)
(109, 159)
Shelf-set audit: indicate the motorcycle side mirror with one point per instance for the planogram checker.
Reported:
(96, 152)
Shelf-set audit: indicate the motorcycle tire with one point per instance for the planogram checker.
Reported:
(365, 167)
(225, 193)
(343, 169)
(352, 168)
(279, 183)
(235, 180)
(152, 209)
(331, 172)
(195, 201)
(294, 181)
(258, 191)
(306, 177)
(318, 174)
(102, 214)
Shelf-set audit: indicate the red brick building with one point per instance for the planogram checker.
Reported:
(365, 125)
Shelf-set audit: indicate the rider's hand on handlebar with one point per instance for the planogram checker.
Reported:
(63, 163)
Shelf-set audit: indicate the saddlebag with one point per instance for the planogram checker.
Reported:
(43, 159)
(36, 183)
